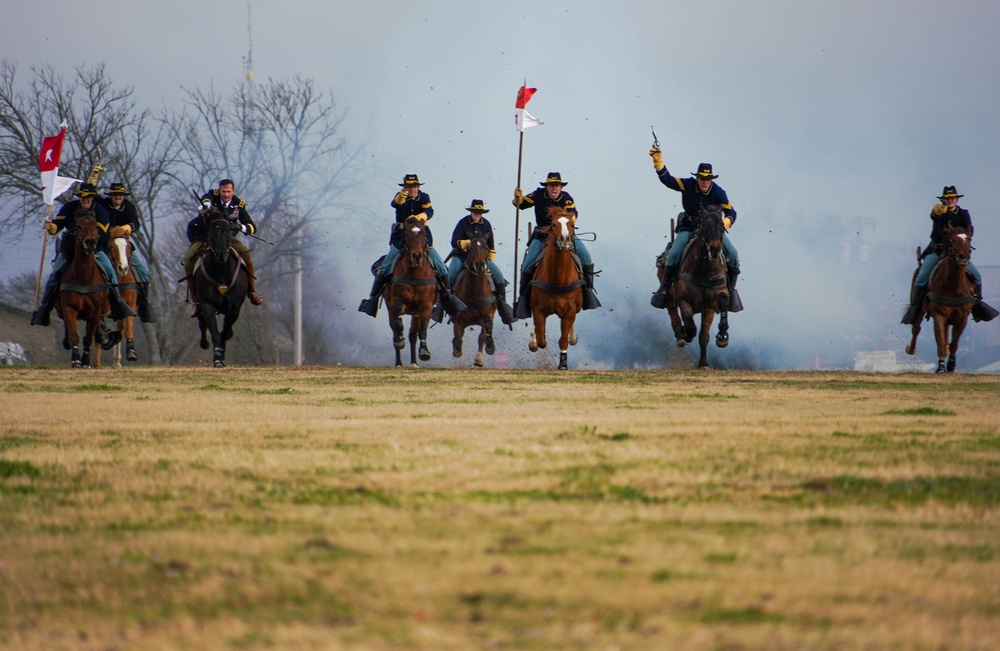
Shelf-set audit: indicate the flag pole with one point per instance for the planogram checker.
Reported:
(41, 263)
(517, 211)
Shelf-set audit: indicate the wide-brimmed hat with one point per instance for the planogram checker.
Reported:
(553, 178)
(410, 179)
(117, 188)
(705, 171)
(950, 192)
(477, 205)
(86, 190)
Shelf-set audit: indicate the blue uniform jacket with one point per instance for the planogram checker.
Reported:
(66, 218)
(466, 229)
(958, 219)
(419, 204)
(693, 200)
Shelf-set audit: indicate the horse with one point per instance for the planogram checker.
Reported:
(83, 295)
(220, 281)
(413, 291)
(557, 285)
(475, 289)
(121, 253)
(949, 298)
(700, 286)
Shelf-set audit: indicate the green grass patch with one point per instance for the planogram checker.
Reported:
(749, 615)
(10, 469)
(105, 388)
(851, 489)
(721, 557)
(919, 411)
(283, 391)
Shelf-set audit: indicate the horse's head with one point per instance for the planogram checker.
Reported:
(220, 236)
(477, 255)
(710, 229)
(958, 244)
(121, 249)
(415, 241)
(86, 230)
(560, 232)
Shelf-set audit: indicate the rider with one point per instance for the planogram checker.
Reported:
(411, 201)
(470, 227)
(122, 213)
(224, 200)
(697, 191)
(548, 194)
(66, 219)
(944, 214)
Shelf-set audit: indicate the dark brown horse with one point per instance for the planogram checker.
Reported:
(700, 286)
(220, 281)
(83, 294)
(556, 286)
(413, 291)
(475, 289)
(121, 254)
(949, 298)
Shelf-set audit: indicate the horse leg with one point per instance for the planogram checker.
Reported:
(563, 361)
(706, 327)
(203, 326)
(690, 329)
(539, 319)
(422, 322)
(481, 342)
(456, 342)
(573, 339)
(956, 334)
(210, 318)
(491, 347)
(413, 342)
(398, 338)
(722, 337)
(941, 337)
(565, 328)
(72, 340)
(915, 329)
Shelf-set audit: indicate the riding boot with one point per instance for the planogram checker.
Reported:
(41, 315)
(735, 304)
(590, 301)
(916, 308)
(252, 294)
(192, 296)
(145, 310)
(659, 298)
(119, 308)
(981, 311)
(522, 310)
(370, 305)
(452, 304)
(505, 311)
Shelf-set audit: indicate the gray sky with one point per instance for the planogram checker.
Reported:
(830, 124)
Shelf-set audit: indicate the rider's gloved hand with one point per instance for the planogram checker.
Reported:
(726, 223)
(50, 227)
(657, 158)
(421, 216)
(464, 244)
(939, 209)
(518, 197)
(127, 229)
(244, 229)
(493, 254)
(402, 197)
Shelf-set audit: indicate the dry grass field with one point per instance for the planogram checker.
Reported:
(346, 508)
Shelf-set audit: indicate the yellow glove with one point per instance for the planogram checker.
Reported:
(421, 216)
(402, 197)
(50, 227)
(726, 223)
(518, 197)
(127, 229)
(657, 158)
(493, 254)
(464, 244)
(939, 209)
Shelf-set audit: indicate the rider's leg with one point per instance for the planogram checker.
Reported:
(370, 305)
(41, 315)
(189, 260)
(142, 295)
(522, 309)
(505, 311)
(119, 308)
(454, 266)
(981, 311)
(916, 307)
(590, 301)
(659, 299)
(452, 305)
(244, 252)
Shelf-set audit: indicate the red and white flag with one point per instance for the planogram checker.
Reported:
(523, 119)
(48, 164)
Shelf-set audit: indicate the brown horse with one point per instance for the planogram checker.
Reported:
(121, 253)
(413, 291)
(949, 298)
(475, 289)
(556, 286)
(700, 286)
(83, 294)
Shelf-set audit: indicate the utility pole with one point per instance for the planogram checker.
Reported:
(248, 59)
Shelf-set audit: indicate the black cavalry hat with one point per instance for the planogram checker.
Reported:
(553, 178)
(410, 179)
(477, 205)
(86, 190)
(950, 192)
(705, 171)
(117, 188)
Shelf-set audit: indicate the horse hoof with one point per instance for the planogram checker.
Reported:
(131, 356)
(573, 340)
(910, 350)
(111, 339)
(533, 348)
(400, 345)
(219, 363)
(204, 344)
(491, 346)
(456, 353)
(722, 340)
(414, 365)
(424, 355)
(681, 343)
(705, 365)
(478, 363)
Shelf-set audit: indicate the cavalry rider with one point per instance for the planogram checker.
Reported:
(410, 201)
(122, 213)
(66, 219)
(696, 191)
(224, 200)
(944, 214)
(471, 227)
(548, 194)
